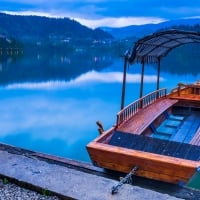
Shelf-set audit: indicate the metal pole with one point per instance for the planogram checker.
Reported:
(158, 75)
(124, 81)
(142, 80)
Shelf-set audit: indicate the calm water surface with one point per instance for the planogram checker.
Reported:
(58, 116)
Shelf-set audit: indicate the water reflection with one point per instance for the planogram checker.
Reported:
(89, 77)
(49, 66)
(64, 118)
(56, 113)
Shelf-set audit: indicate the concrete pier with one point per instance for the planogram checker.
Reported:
(66, 182)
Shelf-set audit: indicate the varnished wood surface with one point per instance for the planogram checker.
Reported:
(163, 167)
(140, 121)
(150, 165)
(188, 97)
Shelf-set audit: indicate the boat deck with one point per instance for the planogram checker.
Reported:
(188, 97)
(141, 120)
(154, 145)
(183, 126)
(187, 130)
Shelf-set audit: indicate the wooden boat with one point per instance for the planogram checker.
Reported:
(160, 132)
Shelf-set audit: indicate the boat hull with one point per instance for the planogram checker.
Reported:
(150, 165)
(137, 139)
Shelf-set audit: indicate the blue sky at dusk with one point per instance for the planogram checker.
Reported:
(115, 13)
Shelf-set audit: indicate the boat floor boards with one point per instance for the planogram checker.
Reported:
(154, 145)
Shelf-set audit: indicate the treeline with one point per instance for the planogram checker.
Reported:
(195, 27)
(9, 43)
(42, 34)
(183, 59)
(35, 28)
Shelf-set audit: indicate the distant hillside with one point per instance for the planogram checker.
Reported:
(42, 28)
(8, 43)
(142, 30)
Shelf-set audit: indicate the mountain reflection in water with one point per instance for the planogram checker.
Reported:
(51, 106)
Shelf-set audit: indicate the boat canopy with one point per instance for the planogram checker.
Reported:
(152, 48)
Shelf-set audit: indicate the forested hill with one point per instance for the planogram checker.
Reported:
(25, 28)
(140, 31)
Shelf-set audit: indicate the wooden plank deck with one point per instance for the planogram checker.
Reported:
(154, 145)
(141, 120)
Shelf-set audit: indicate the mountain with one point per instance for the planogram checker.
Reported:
(142, 30)
(34, 28)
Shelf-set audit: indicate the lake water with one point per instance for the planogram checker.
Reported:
(57, 115)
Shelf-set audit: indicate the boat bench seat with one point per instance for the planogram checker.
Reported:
(172, 123)
(176, 117)
(165, 129)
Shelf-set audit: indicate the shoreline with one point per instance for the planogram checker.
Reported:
(69, 179)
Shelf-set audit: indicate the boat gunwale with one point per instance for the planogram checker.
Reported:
(137, 105)
(105, 134)
(153, 166)
(144, 155)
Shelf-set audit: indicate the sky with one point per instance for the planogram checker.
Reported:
(111, 13)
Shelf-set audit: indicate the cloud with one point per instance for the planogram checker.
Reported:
(28, 13)
(94, 23)
(94, 13)
(91, 77)
(48, 115)
(119, 22)
(110, 77)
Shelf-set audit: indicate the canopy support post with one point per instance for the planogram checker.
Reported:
(124, 80)
(142, 80)
(158, 75)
